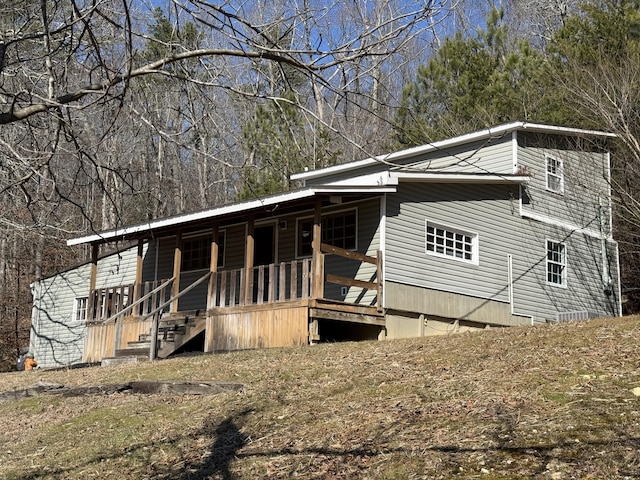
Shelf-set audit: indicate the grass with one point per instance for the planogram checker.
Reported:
(551, 402)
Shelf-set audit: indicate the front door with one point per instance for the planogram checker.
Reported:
(263, 254)
(264, 243)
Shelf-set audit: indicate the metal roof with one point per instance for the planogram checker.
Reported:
(493, 132)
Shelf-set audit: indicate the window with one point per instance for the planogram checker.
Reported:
(338, 229)
(448, 242)
(555, 175)
(80, 309)
(196, 253)
(556, 263)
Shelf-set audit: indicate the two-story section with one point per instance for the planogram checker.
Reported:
(505, 226)
(567, 219)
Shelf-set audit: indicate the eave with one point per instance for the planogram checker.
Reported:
(487, 134)
(240, 210)
(437, 177)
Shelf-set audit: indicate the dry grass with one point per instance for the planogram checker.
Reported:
(547, 402)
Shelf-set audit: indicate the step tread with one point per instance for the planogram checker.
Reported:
(128, 352)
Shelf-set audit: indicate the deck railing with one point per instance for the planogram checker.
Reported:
(266, 284)
(285, 281)
(104, 304)
(374, 284)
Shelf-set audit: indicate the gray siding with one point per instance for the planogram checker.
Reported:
(487, 211)
(492, 212)
(491, 156)
(584, 291)
(494, 156)
(586, 185)
(56, 337)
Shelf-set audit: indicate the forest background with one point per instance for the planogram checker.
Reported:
(118, 111)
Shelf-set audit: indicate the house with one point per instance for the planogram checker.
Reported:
(501, 227)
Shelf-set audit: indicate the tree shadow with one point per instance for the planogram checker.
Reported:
(228, 441)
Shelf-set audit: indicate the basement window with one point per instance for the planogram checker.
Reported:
(556, 263)
(443, 241)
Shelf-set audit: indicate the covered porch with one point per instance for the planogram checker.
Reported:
(264, 303)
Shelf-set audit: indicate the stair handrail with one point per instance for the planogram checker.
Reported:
(156, 318)
(139, 301)
(175, 297)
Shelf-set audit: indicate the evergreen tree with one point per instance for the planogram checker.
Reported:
(473, 83)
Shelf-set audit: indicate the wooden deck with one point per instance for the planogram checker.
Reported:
(276, 305)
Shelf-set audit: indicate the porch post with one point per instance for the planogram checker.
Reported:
(95, 248)
(248, 262)
(138, 282)
(177, 263)
(213, 267)
(211, 291)
(317, 260)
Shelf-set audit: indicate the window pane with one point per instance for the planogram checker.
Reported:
(449, 243)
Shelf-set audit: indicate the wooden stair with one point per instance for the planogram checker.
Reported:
(174, 331)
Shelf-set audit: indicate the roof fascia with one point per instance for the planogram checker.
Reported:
(435, 177)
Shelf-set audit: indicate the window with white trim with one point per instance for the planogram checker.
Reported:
(80, 309)
(338, 229)
(556, 263)
(555, 174)
(444, 241)
(196, 253)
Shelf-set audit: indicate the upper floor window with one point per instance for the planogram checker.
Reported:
(338, 229)
(450, 242)
(556, 263)
(196, 253)
(555, 174)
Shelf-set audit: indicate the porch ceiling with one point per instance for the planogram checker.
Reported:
(274, 205)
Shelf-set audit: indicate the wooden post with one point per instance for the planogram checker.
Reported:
(153, 348)
(95, 248)
(213, 268)
(248, 263)
(177, 265)
(213, 285)
(138, 281)
(318, 271)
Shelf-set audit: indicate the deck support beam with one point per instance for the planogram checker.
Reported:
(95, 249)
(138, 281)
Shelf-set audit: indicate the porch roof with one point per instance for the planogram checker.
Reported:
(270, 203)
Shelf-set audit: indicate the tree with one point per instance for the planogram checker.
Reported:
(110, 112)
(472, 83)
(596, 67)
